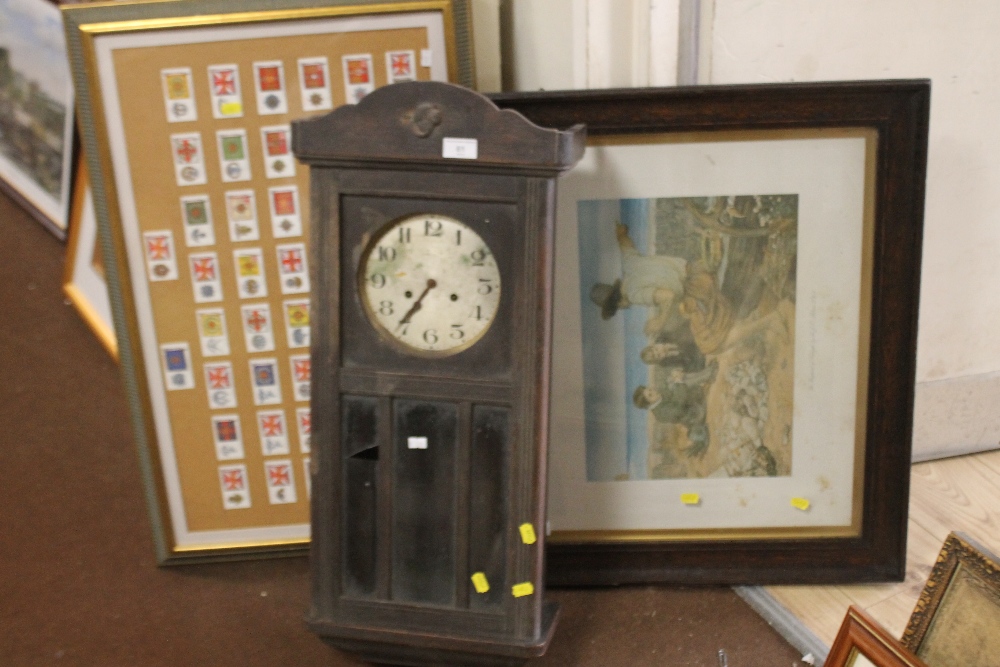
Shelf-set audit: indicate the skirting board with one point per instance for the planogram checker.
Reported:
(956, 416)
(784, 622)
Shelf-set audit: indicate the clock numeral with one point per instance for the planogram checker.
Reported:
(404, 328)
(433, 228)
(478, 257)
(458, 237)
(386, 254)
(404, 234)
(385, 308)
(456, 331)
(378, 280)
(430, 337)
(484, 286)
(477, 314)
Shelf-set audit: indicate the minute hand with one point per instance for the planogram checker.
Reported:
(431, 284)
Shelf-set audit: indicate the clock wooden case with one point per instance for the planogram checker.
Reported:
(432, 238)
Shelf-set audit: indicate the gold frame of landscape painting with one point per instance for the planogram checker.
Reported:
(737, 273)
(956, 616)
(185, 112)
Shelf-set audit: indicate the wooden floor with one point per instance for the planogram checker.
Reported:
(961, 493)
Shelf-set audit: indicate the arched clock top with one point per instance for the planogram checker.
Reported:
(412, 122)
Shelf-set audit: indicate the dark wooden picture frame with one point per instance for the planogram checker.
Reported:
(954, 621)
(894, 114)
(861, 635)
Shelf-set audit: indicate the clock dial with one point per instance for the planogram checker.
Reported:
(431, 283)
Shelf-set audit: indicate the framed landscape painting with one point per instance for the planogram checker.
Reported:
(36, 111)
(736, 287)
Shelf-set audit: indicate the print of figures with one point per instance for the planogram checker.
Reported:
(688, 316)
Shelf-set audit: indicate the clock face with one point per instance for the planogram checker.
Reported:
(431, 283)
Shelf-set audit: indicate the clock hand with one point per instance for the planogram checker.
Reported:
(431, 284)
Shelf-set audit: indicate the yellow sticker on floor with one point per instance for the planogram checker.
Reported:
(480, 582)
(690, 498)
(521, 590)
(800, 503)
(528, 533)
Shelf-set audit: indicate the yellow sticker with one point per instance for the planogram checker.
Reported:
(800, 503)
(231, 108)
(528, 533)
(521, 590)
(480, 582)
(690, 498)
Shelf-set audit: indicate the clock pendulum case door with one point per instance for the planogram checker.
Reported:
(433, 248)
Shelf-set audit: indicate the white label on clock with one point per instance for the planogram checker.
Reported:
(461, 149)
(414, 442)
(430, 283)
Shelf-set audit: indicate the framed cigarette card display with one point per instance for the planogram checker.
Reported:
(36, 111)
(83, 281)
(736, 311)
(186, 108)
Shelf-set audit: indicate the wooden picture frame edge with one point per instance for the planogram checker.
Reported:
(899, 112)
(860, 633)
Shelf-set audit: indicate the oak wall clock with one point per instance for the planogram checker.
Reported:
(432, 238)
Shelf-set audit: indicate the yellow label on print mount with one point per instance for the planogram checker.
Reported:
(800, 503)
(523, 589)
(690, 498)
(527, 533)
(480, 582)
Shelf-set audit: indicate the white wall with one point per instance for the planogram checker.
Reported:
(957, 46)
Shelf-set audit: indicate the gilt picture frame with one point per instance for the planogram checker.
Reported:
(185, 111)
(955, 618)
(766, 239)
(862, 642)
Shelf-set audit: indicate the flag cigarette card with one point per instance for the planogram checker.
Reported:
(228, 437)
(160, 258)
(359, 76)
(205, 277)
(314, 83)
(269, 81)
(280, 481)
(219, 385)
(301, 375)
(286, 220)
(273, 432)
(212, 332)
(250, 280)
(400, 66)
(297, 322)
(177, 372)
(235, 487)
(196, 212)
(257, 329)
(266, 386)
(224, 84)
(189, 159)
(241, 212)
(278, 159)
(234, 156)
(303, 421)
(292, 268)
(178, 94)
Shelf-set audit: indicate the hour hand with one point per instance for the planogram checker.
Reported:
(431, 284)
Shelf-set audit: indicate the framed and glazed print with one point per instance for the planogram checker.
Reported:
(736, 305)
(84, 281)
(185, 111)
(36, 111)
(956, 618)
(862, 642)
